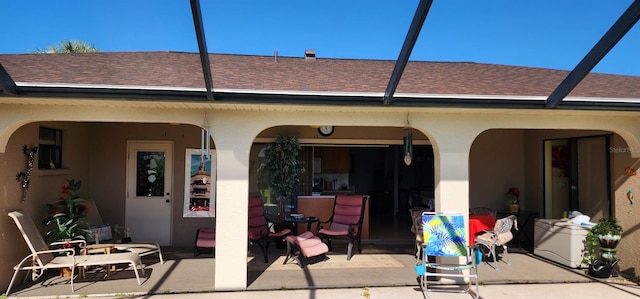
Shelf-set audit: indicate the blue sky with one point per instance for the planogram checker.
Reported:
(553, 34)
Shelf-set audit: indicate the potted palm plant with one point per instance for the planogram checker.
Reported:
(283, 170)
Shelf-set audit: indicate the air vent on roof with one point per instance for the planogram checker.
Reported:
(310, 54)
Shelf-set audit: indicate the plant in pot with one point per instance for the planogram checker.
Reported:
(600, 247)
(283, 170)
(513, 201)
(66, 218)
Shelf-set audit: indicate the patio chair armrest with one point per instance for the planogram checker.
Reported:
(70, 251)
(350, 230)
(328, 221)
(82, 243)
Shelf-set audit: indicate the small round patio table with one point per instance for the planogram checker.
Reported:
(294, 221)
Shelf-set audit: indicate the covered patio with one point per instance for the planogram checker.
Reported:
(379, 265)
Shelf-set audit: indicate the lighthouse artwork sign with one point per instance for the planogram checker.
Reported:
(200, 177)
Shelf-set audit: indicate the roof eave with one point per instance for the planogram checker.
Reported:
(331, 99)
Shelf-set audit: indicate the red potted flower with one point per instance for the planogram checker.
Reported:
(66, 217)
(513, 201)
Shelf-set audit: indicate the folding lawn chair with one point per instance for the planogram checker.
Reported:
(446, 239)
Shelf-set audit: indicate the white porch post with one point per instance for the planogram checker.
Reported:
(451, 153)
(233, 144)
(451, 173)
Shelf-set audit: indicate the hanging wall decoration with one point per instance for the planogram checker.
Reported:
(408, 148)
(407, 144)
(25, 177)
(200, 183)
(629, 171)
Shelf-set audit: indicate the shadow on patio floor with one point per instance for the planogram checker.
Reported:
(380, 264)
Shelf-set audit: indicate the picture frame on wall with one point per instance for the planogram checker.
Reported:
(200, 183)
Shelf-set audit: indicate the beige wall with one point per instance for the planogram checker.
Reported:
(497, 164)
(467, 144)
(44, 187)
(108, 164)
(626, 213)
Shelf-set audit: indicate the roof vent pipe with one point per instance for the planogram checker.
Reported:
(310, 54)
(275, 56)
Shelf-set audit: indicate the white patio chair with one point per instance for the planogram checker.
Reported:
(43, 258)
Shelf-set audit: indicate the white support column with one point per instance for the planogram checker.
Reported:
(452, 172)
(233, 145)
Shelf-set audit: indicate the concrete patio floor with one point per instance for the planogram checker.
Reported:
(183, 273)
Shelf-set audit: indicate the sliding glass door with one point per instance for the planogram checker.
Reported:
(576, 176)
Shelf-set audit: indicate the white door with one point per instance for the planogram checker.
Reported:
(149, 190)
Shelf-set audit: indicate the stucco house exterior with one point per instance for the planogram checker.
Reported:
(483, 129)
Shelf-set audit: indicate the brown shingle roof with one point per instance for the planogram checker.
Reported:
(174, 69)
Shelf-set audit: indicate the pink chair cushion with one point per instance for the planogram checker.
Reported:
(309, 244)
(206, 237)
(280, 233)
(257, 222)
(346, 213)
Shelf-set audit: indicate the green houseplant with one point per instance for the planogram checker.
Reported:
(283, 169)
(601, 241)
(66, 218)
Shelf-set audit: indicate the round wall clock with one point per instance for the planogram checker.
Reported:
(326, 130)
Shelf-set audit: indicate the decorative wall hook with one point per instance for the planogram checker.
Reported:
(25, 177)
(629, 171)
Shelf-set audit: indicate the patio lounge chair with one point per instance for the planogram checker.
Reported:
(43, 258)
(260, 230)
(446, 238)
(141, 248)
(346, 221)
